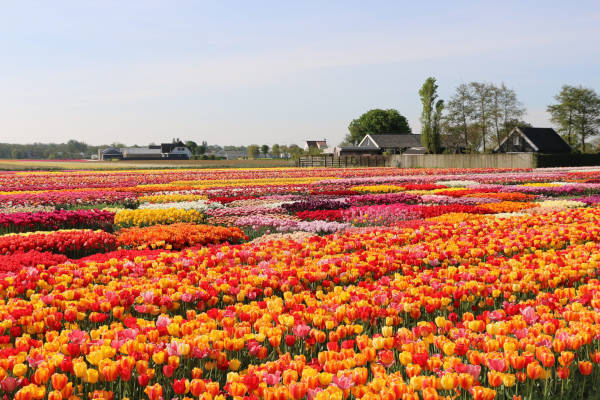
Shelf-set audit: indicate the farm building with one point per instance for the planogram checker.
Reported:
(165, 151)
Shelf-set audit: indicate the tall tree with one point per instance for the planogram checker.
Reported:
(375, 122)
(512, 109)
(437, 126)
(428, 94)
(576, 114)
(482, 101)
(504, 108)
(460, 111)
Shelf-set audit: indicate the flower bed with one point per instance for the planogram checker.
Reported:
(72, 243)
(146, 217)
(177, 236)
(53, 220)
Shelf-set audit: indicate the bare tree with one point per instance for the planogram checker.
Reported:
(505, 110)
(482, 106)
(460, 112)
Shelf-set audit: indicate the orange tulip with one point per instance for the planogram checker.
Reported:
(59, 381)
(534, 370)
(494, 378)
(297, 390)
(585, 367)
(565, 358)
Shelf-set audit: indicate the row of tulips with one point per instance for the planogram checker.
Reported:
(68, 198)
(72, 243)
(147, 217)
(58, 219)
(177, 236)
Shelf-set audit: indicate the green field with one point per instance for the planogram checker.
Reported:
(23, 165)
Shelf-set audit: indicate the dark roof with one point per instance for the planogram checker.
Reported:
(316, 143)
(111, 150)
(398, 141)
(364, 149)
(168, 147)
(546, 140)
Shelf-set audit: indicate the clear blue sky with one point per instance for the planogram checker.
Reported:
(271, 72)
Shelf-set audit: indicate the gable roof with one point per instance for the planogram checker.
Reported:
(544, 140)
(318, 144)
(396, 141)
(111, 150)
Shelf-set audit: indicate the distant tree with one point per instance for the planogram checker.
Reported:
(375, 122)
(276, 151)
(264, 149)
(284, 150)
(295, 150)
(430, 116)
(202, 148)
(576, 114)
(253, 151)
(74, 147)
(193, 146)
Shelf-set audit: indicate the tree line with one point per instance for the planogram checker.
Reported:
(479, 115)
(74, 149)
(276, 151)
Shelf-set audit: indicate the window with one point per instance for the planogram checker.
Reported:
(517, 140)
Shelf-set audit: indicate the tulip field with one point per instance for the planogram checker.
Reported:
(290, 284)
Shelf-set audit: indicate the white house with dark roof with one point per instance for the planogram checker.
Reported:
(393, 143)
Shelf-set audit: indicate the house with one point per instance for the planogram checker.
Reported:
(524, 139)
(175, 150)
(110, 154)
(170, 151)
(393, 143)
(315, 145)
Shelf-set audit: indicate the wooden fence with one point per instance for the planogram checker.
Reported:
(329, 160)
(503, 160)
